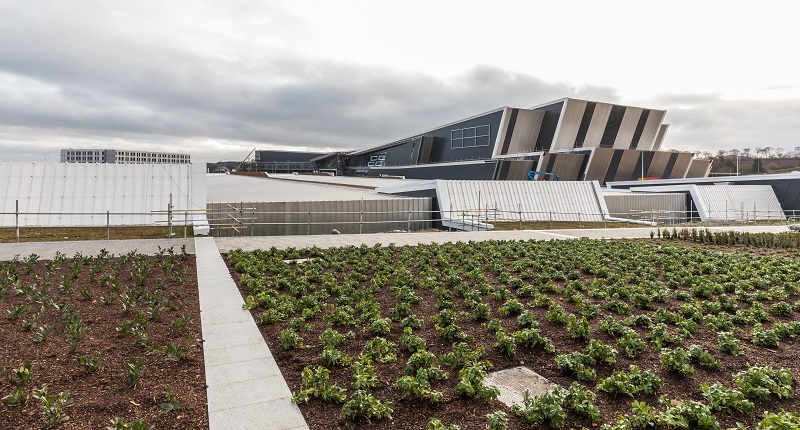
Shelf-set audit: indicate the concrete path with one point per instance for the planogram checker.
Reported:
(47, 250)
(332, 240)
(245, 387)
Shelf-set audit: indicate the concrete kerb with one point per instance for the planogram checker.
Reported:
(245, 386)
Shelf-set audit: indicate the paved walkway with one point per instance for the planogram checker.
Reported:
(47, 250)
(245, 387)
(332, 240)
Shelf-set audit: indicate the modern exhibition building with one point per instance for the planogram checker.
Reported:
(571, 139)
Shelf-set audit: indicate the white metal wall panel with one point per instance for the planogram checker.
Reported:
(662, 131)
(78, 194)
(651, 127)
(647, 206)
(503, 200)
(598, 125)
(570, 123)
(740, 202)
(628, 127)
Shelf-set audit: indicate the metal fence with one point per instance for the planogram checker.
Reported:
(356, 217)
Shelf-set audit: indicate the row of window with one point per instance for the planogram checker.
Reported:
(470, 137)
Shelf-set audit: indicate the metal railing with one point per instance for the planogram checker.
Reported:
(356, 222)
(241, 220)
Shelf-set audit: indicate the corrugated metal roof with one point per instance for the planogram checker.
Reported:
(233, 188)
(537, 200)
(60, 188)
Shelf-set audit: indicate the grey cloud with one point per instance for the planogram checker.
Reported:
(735, 124)
(79, 74)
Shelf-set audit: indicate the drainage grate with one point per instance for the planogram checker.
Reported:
(513, 383)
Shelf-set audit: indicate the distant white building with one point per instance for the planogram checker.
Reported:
(113, 156)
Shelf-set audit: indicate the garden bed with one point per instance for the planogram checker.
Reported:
(578, 312)
(111, 338)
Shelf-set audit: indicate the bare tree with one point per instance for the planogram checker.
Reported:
(746, 152)
(797, 151)
(767, 150)
(779, 152)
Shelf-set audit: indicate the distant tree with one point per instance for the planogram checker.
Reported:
(797, 151)
(779, 152)
(746, 152)
(757, 168)
(767, 150)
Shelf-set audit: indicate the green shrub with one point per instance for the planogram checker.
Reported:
(764, 382)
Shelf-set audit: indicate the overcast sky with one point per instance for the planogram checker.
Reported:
(216, 79)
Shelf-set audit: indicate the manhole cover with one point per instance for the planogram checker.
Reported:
(513, 383)
(297, 260)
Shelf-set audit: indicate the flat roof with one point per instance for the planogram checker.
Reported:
(235, 188)
(358, 181)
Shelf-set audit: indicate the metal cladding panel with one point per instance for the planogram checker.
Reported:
(651, 128)
(78, 194)
(658, 165)
(570, 123)
(599, 164)
(698, 168)
(627, 165)
(526, 131)
(681, 166)
(662, 131)
(740, 202)
(598, 125)
(528, 200)
(503, 131)
(518, 170)
(628, 127)
(567, 166)
(628, 205)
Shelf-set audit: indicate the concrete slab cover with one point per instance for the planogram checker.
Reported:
(514, 382)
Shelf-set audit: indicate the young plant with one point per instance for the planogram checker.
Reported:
(133, 371)
(437, 424)
(18, 397)
(120, 424)
(497, 420)
(728, 343)
(170, 404)
(90, 365)
(506, 344)
(545, 409)
(470, 383)
(726, 400)
(764, 382)
(578, 328)
(363, 404)
(703, 357)
(317, 383)
(677, 360)
(53, 406)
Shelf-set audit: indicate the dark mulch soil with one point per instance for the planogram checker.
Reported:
(471, 413)
(100, 397)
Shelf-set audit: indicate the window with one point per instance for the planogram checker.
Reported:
(470, 137)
